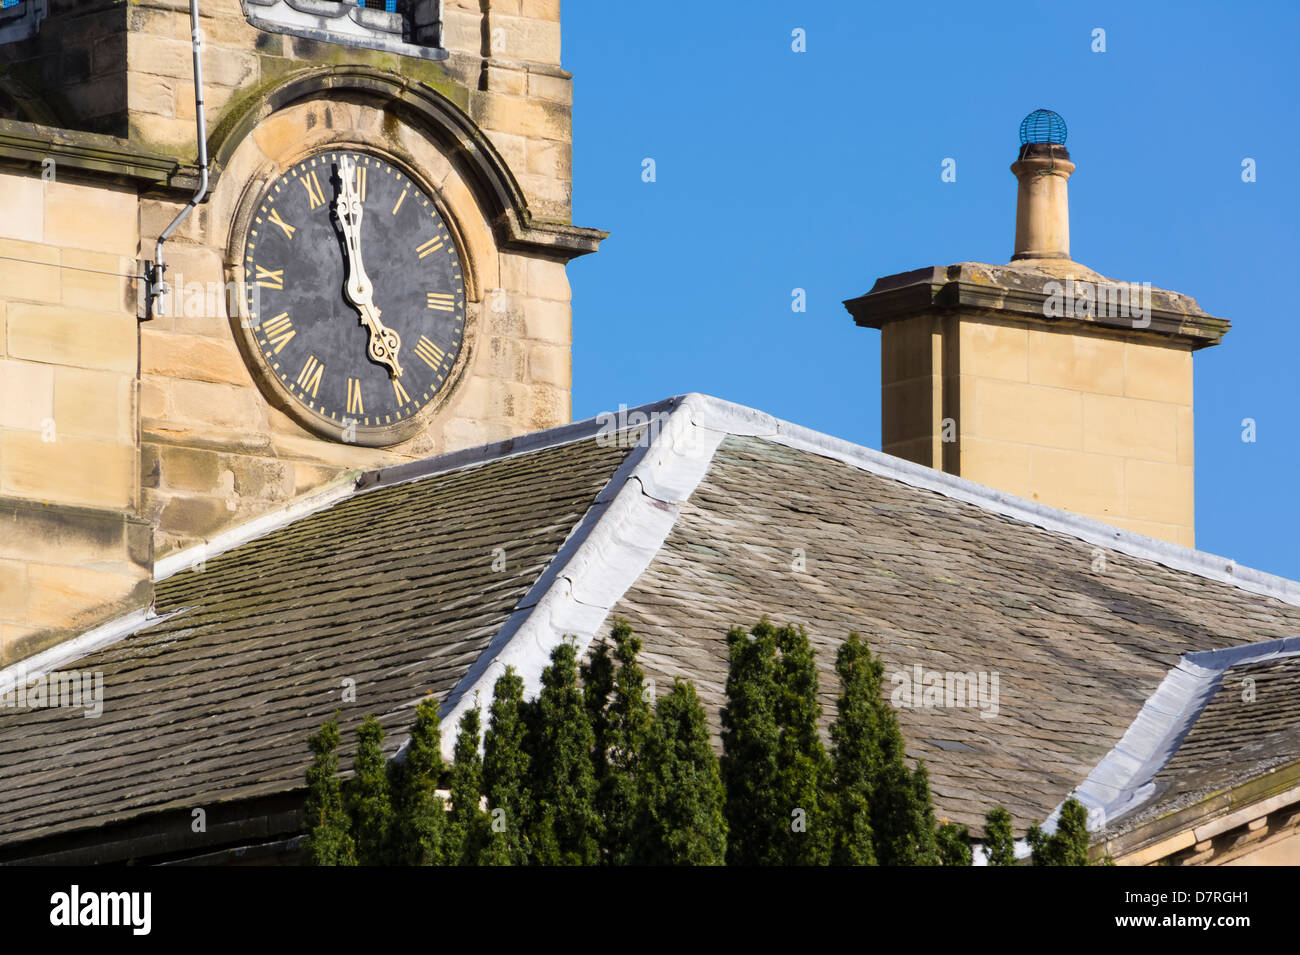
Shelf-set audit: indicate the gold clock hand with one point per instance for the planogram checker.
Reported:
(384, 343)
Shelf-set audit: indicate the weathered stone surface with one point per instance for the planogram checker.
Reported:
(217, 450)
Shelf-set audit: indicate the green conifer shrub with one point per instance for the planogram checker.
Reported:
(627, 721)
(1069, 844)
(468, 828)
(419, 828)
(803, 769)
(563, 781)
(683, 821)
(756, 812)
(855, 755)
(366, 798)
(505, 774)
(954, 844)
(328, 841)
(999, 840)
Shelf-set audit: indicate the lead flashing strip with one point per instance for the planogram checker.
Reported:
(723, 415)
(78, 647)
(1125, 778)
(609, 549)
(715, 419)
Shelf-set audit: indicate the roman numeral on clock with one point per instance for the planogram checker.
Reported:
(361, 183)
(354, 397)
(402, 396)
(279, 330)
(289, 230)
(270, 278)
(430, 247)
(430, 353)
(309, 377)
(442, 301)
(312, 185)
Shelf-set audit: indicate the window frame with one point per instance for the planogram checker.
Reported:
(348, 23)
(22, 20)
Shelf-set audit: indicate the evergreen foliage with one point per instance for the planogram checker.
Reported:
(756, 813)
(505, 774)
(883, 811)
(563, 780)
(953, 844)
(468, 827)
(593, 773)
(682, 822)
(902, 819)
(419, 830)
(855, 758)
(328, 840)
(366, 796)
(803, 769)
(597, 676)
(1069, 844)
(626, 723)
(999, 839)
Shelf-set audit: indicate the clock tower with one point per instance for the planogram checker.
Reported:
(371, 268)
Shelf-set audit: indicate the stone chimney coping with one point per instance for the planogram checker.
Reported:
(1022, 290)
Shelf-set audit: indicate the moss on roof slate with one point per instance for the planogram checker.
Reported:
(393, 589)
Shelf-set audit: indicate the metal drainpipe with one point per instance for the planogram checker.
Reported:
(157, 283)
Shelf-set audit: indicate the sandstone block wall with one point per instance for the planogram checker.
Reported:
(72, 547)
(162, 438)
(1092, 422)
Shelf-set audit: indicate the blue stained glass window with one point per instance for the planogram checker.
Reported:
(6, 4)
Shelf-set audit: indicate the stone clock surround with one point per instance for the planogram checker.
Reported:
(386, 249)
(162, 436)
(215, 448)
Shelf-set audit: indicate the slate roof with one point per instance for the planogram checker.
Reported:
(393, 589)
(719, 516)
(1218, 720)
(1238, 733)
(942, 584)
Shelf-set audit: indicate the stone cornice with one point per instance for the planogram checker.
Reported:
(487, 173)
(1022, 291)
(448, 124)
(93, 153)
(1201, 821)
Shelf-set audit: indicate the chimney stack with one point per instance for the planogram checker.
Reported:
(1042, 201)
(1041, 377)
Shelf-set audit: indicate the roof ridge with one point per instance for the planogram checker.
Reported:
(665, 479)
(1123, 779)
(719, 413)
(609, 548)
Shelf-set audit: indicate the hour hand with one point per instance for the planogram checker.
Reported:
(384, 342)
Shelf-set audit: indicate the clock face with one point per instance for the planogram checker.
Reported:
(356, 301)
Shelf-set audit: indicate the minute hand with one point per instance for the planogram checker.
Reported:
(384, 342)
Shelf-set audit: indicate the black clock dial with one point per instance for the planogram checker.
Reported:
(328, 287)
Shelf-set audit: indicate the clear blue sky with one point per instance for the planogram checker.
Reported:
(821, 170)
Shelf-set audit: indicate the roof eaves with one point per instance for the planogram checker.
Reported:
(69, 651)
